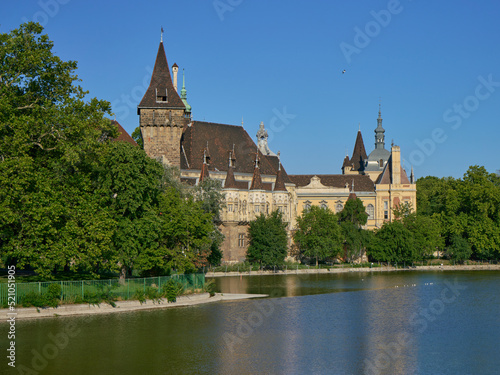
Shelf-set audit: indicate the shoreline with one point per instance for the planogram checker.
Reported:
(477, 267)
(123, 306)
(204, 298)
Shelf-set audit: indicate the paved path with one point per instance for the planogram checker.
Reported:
(123, 306)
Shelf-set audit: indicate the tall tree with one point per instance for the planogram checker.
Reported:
(130, 184)
(51, 140)
(355, 239)
(354, 211)
(209, 193)
(268, 239)
(393, 243)
(318, 234)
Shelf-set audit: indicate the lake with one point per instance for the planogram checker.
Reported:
(440, 322)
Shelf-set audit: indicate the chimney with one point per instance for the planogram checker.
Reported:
(396, 165)
(175, 69)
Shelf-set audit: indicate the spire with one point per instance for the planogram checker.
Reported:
(184, 93)
(256, 179)
(230, 182)
(161, 92)
(352, 194)
(204, 174)
(161, 36)
(379, 131)
(279, 184)
(358, 154)
(412, 176)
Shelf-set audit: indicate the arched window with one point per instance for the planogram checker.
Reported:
(339, 206)
(307, 205)
(244, 207)
(370, 210)
(323, 204)
(381, 163)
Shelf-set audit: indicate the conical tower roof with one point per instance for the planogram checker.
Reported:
(359, 153)
(230, 182)
(256, 179)
(204, 174)
(161, 92)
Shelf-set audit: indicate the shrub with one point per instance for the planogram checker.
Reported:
(172, 290)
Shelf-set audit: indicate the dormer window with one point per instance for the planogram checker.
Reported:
(161, 97)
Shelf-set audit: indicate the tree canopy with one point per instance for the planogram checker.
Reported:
(71, 198)
(268, 240)
(318, 234)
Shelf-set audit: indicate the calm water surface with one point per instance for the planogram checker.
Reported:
(356, 323)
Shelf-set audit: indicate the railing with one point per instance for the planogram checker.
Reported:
(74, 290)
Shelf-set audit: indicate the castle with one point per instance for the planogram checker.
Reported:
(253, 178)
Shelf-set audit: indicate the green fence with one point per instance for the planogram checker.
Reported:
(71, 290)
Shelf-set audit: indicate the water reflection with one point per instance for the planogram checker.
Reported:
(325, 324)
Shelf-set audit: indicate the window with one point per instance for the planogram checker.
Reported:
(160, 98)
(244, 207)
(381, 163)
(241, 240)
(307, 205)
(257, 208)
(338, 206)
(229, 208)
(370, 210)
(323, 205)
(386, 210)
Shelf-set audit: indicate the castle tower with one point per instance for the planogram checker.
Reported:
(162, 114)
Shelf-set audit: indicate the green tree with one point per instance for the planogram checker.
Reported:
(268, 240)
(467, 207)
(426, 231)
(355, 239)
(209, 193)
(354, 211)
(137, 137)
(51, 140)
(318, 234)
(393, 243)
(459, 249)
(129, 184)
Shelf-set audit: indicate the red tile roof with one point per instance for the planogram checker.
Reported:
(221, 139)
(362, 183)
(122, 134)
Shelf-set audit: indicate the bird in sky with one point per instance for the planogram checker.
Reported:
(343, 71)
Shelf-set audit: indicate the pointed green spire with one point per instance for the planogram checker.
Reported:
(184, 93)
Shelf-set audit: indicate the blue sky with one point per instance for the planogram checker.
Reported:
(434, 65)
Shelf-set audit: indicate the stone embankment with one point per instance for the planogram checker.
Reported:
(290, 271)
(124, 306)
